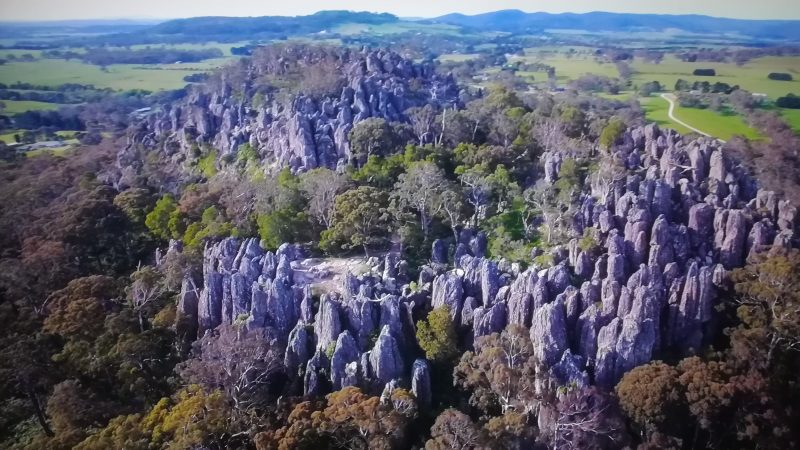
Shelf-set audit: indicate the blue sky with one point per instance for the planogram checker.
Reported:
(92, 9)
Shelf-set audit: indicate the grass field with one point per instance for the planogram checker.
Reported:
(722, 125)
(224, 47)
(656, 110)
(396, 28)
(792, 117)
(8, 136)
(457, 57)
(54, 72)
(18, 106)
(751, 76)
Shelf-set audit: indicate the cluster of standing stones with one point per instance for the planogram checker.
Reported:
(304, 134)
(671, 230)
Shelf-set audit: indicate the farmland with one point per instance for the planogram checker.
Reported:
(19, 106)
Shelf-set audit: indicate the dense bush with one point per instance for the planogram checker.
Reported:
(780, 76)
(790, 101)
(705, 72)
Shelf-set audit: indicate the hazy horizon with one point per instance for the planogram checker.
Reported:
(51, 10)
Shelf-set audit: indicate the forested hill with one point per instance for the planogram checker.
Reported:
(519, 21)
(332, 23)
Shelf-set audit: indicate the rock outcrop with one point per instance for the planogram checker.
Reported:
(310, 130)
(667, 240)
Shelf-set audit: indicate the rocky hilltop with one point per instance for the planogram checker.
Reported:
(667, 241)
(304, 131)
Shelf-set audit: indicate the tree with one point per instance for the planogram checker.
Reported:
(373, 136)
(611, 133)
(321, 186)
(163, 220)
(545, 200)
(355, 420)
(145, 291)
(73, 311)
(423, 120)
(192, 418)
(420, 189)
(650, 394)
(768, 292)
(454, 430)
(299, 431)
(72, 408)
(502, 372)
(588, 418)
(246, 366)
(359, 220)
(134, 202)
(479, 190)
(437, 336)
(453, 208)
(511, 431)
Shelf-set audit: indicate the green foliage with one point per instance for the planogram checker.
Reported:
(507, 234)
(544, 261)
(380, 171)
(165, 221)
(330, 349)
(282, 225)
(373, 136)
(611, 133)
(359, 220)
(437, 336)
(190, 419)
(134, 203)
(246, 154)
(588, 243)
(212, 226)
(207, 164)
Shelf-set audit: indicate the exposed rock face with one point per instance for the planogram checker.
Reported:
(344, 354)
(385, 359)
(304, 133)
(669, 239)
(421, 382)
(327, 325)
(297, 350)
(549, 333)
(448, 291)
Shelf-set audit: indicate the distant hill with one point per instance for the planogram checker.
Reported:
(519, 21)
(223, 26)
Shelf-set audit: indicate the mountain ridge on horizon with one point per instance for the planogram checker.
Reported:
(508, 20)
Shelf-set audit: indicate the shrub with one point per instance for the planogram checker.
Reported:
(207, 165)
(612, 132)
(705, 72)
(791, 101)
(780, 76)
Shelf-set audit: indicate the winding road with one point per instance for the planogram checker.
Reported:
(670, 98)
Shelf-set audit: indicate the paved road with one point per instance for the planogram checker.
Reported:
(671, 99)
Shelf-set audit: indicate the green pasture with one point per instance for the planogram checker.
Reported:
(224, 47)
(723, 124)
(396, 28)
(19, 106)
(457, 57)
(54, 72)
(792, 117)
(751, 76)
(656, 109)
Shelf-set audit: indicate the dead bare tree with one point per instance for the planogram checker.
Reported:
(587, 418)
(242, 363)
(422, 122)
(321, 186)
(146, 289)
